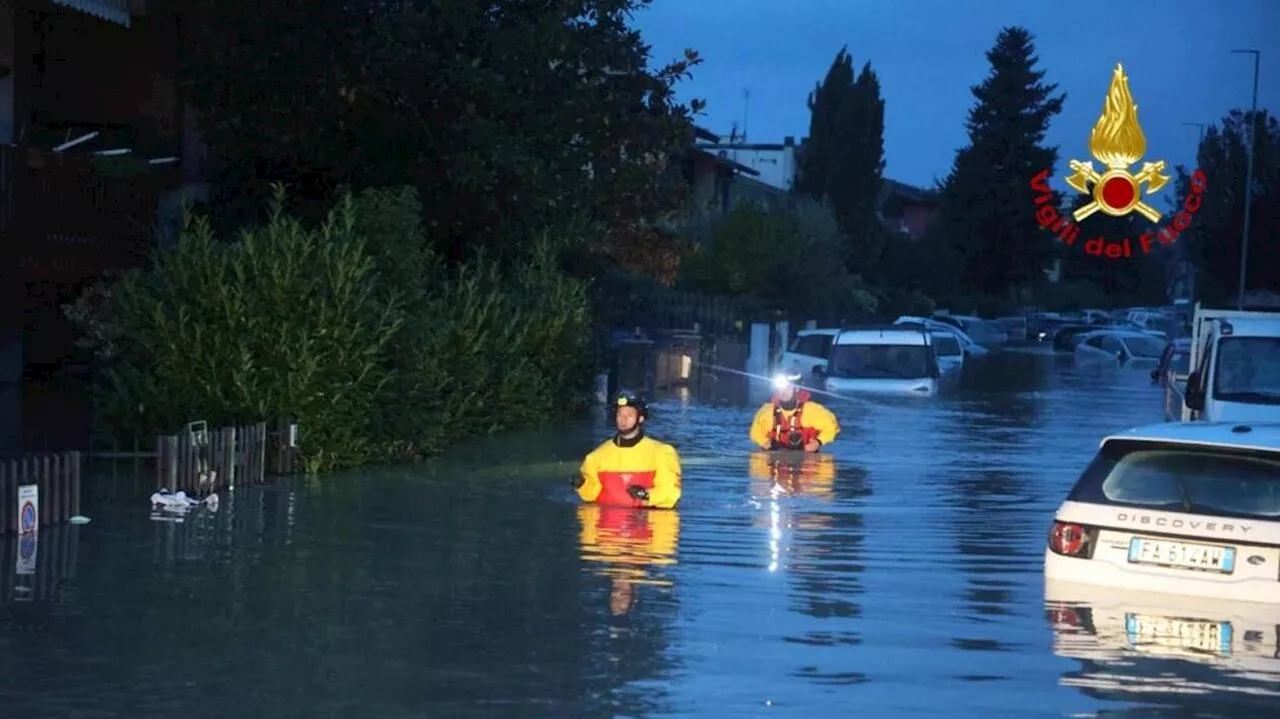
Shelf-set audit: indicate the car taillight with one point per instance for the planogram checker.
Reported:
(1072, 540)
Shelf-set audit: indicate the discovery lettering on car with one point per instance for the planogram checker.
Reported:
(1147, 520)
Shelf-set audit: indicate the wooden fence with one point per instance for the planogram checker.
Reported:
(203, 460)
(56, 477)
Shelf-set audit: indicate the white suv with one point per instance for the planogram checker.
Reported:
(1183, 507)
(808, 351)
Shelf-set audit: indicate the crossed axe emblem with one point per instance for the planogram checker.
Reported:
(1151, 175)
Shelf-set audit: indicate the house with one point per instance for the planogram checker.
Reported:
(92, 133)
(712, 174)
(901, 207)
(906, 209)
(774, 164)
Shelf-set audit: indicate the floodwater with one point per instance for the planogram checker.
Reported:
(899, 575)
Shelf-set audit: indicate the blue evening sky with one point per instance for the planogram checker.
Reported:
(928, 53)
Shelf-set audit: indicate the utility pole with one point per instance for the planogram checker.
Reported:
(1248, 175)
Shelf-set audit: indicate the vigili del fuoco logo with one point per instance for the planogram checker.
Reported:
(1118, 143)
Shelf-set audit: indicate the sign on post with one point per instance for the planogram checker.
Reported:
(28, 508)
(28, 525)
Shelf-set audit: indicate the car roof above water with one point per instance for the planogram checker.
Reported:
(892, 335)
(1264, 436)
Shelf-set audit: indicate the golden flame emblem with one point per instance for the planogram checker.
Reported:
(1117, 142)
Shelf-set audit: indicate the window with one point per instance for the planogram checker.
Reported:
(1248, 370)
(947, 345)
(1094, 342)
(881, 362)
(812, 346)
(1112, 344)
(1227, 483)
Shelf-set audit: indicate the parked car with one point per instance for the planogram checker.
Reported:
(884, 360)
(1122, 346)
(988, 333)
(971, 348)
(808, 352)
(1181, 507)
(948, 351)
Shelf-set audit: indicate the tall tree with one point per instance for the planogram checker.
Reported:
(1213, 238)
(989, 208)
(508, 116)
(816, 162)
(843, 158)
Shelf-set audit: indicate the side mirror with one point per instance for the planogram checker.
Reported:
(967, 353)
(1194, 396)
(819, 373)
(1155, 375)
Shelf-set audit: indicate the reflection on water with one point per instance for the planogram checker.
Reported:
(1137, 646)
(797, 474)
(35, 568)
(902, 563)
(627, 543)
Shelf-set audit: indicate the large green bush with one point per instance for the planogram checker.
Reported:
(377, 348)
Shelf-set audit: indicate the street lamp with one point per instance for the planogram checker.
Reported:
(1248, 175)
(1199, 125)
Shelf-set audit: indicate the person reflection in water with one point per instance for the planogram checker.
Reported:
(631, 470)
(809, 475)
(626, 545)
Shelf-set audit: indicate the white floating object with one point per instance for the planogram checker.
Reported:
(79, 519)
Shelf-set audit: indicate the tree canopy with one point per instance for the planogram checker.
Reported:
(843, 159)
(988, 221)
(508, 116)
(1213, 238)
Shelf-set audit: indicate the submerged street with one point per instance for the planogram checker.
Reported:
(899, 574)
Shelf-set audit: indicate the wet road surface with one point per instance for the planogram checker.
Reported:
(897, 575)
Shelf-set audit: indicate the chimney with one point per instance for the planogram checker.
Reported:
(788, 141)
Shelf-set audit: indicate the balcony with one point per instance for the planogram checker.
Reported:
(62, 219)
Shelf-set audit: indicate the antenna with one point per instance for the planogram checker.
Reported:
(746, 105)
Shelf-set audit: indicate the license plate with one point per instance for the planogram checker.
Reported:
(1182, 555)
(1194, 634)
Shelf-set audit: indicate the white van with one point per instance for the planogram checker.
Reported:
(1235, 368)
(891, 360)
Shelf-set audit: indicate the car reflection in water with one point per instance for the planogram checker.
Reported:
(775, 476)
(628, 546)
(1149, 648)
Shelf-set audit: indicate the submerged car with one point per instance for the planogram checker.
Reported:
(891, 360)
(1179, 507)
(948, 350)
(1123, 346)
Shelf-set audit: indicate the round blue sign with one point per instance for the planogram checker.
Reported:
(27, 518)
(27, 547)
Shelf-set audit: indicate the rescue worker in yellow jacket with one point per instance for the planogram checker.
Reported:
(631, 470)
(792, 420)
(629, 547)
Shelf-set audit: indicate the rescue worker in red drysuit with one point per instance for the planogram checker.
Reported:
(792, 420)
(631, 470)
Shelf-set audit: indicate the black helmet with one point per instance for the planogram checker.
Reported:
(627, 399)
